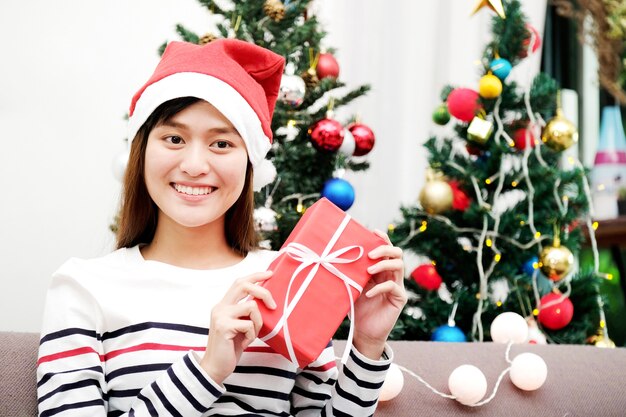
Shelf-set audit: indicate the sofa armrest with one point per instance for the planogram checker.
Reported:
(18, 380)
(581, 381)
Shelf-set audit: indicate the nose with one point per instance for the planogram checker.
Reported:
(195, 160)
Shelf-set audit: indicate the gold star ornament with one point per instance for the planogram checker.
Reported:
(495, 5)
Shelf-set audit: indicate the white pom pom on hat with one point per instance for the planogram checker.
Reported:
(239, 78)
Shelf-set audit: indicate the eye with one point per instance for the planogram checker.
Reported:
(174, 140)
(221, 144)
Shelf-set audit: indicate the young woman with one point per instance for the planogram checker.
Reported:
(165, 325)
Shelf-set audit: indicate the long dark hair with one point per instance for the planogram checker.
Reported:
(139, 214)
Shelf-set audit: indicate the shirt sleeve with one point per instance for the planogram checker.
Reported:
(323, 389)
(70, 368)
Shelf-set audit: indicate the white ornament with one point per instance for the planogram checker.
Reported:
(535, 336)
(444, 293)
(264, 219)
(508, 200)
(348, 145)
(528, 371)
(468, 384)
(265, 244)
(290, 132)
(509, 327)
(499, 291)
(120, 161)
(394, 381)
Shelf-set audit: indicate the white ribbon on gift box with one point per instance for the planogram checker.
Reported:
(308, 257)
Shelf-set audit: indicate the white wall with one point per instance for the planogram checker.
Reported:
(68, 70)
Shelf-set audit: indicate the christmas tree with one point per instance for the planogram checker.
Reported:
(501, 218)
(311, 149)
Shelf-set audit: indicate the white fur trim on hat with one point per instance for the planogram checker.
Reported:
(217, 92)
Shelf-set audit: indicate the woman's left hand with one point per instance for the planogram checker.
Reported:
(378, 308)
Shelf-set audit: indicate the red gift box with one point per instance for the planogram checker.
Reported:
(322, 266)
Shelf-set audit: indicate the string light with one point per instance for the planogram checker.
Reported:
(595, 225)
(424, 226)
(537, 235)
(488, 243)
(497, 257)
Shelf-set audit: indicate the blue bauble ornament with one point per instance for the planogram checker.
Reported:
(530, 266)
(500, 67)
(339, 192)
(447, 333)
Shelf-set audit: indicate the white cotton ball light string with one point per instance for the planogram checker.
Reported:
(394, 381)
(467, 383)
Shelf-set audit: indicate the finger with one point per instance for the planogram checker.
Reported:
(245, 327)
(391, 265)
(387, 251)
(396, 291)
(382, 235)
(234, 293)
(258, 292)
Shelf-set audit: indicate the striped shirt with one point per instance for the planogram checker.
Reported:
(122, 336)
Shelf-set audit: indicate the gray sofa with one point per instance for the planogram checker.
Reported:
(582, 380)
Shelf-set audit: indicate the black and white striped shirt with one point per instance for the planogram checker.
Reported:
(122, 336)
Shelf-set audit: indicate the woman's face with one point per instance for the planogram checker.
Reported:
(195, 166)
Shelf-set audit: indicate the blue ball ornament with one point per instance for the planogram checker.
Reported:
(447, 333)
(339, 192)
(500, 67)
(530, 266)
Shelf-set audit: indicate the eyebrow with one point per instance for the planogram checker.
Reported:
(213, 130)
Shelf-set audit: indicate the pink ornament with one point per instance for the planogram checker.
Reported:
(463, 103)
(555, 314)
(326, 135)
(363, 137)
(327, 66)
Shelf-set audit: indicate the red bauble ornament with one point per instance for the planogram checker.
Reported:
(463, 103)
(426, 276)
(536, 38)
(326, 135)
(521, 140)
(557, 314)
(363, 137)
(327, 66)
(460, 200)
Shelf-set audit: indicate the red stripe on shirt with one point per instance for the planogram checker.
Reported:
(67, 354)
(150, 346)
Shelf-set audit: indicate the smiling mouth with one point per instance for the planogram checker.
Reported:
(184, 189)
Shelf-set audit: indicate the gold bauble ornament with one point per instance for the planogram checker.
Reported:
(274, 9)
(556, 261)
(601, 341)
(490, 86)
(310, 79)
(559, 134)
(436, 196)
(207, 38)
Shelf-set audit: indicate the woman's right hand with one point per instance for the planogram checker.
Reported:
(235, 323)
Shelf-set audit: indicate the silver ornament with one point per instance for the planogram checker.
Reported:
(292, 90)
(265, 219)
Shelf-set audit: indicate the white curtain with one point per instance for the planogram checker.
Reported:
(407, 50)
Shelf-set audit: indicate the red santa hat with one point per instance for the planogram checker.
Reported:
(239, 78)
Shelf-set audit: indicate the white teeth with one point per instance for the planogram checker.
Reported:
(193, 190)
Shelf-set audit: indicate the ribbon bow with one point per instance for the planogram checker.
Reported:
(307, 257)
